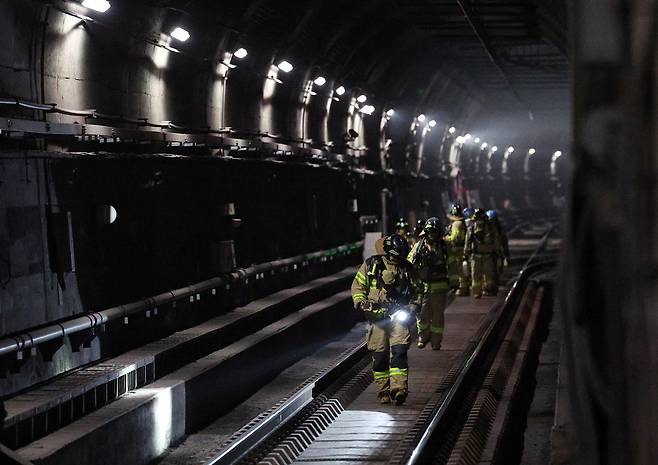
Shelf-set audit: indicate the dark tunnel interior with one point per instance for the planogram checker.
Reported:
(147, 145)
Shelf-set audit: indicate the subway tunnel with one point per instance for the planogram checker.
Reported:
(188, 189)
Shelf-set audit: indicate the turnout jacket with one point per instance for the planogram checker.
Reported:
(383, 282)
(429, 259)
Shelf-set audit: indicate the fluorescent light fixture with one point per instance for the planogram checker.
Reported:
(361, 98)
(531, 151)
(557, 154)
(494, 149)
(97, 5)
(390, 112)
(240, 53)
(510, 149)
(452, 130)
(460, 139)
(340, 90)
(432, 123)
(476, 140)
(467, 136)
(420, 118)
(180, 34)
(320, 81)
(484, 145)
(285, 66)
(368, 109)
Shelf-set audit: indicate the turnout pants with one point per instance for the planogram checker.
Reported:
(456, 275)
(388, 342)
(485, 273)
(431, 318)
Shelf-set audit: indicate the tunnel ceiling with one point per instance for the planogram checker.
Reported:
(497, 66)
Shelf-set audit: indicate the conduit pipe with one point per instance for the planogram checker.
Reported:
(33, 338)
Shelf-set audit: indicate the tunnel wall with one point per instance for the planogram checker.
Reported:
(170, 214)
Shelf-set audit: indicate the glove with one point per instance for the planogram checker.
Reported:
(505, 262)
(372, 312)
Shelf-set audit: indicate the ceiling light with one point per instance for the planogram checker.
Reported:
(180, 34)
(432, 123)
(494, 149)
(452, 130)
(467, 136)
(531, 151)
(420, 118)
(240, 53)
(484, 145)
(285, 66)
(510, 149)
(340, 90)
(319, 81)
(97, 5)
(390, 112)
(361, 98)
(476, 140)
(368, 109)
(460, 139)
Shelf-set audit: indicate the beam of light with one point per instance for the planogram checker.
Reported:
(476, 140)
(494, 148)
(420, 118)
(180, 34)
(484, 145)
(361, 98)
(452, 130)
(467, 136)
(532, 151)
(340, 90)
(432, 123)
(285, 66)
(320, 81)
(510, 149)
(240, 53)
(557, 154)
(460, 139)
(390, 112)
(97, 5)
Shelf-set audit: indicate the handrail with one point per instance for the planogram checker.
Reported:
(34, 337)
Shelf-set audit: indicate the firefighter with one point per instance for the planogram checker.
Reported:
(503, 259)
(429, 258)
(402, 229)
(454, 239)
(481, 249)
(385, 290)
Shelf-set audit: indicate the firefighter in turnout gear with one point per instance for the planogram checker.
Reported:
(385, 290)
(429, 258)
(454, 239)
(503, 261)
(482, 248)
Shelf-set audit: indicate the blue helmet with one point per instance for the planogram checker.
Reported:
(491, 214)
(468, 212)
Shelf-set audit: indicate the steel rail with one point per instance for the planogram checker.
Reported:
(302, 397)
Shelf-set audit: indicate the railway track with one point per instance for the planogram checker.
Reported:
(463, 421)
